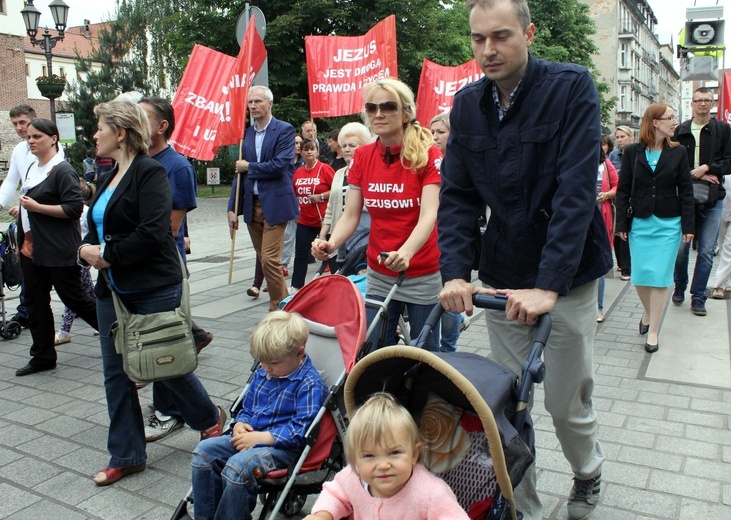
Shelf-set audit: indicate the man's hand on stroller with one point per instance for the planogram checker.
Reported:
(526, 305)
(456, 296)
(244, 437)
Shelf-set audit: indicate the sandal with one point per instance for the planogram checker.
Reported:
(718, 294)
(253, 292)
(112, 475)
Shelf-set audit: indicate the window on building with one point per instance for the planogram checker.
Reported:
(45, 71)
(623, 56)
(62, 72)
(623, 97)
(2, 7)
(27, 69)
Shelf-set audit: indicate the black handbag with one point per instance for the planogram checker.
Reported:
(11, 270)
(630, 213)
(705, 193)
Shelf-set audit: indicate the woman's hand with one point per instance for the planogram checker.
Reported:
(687, 238)
(396, 261)
(622, 235)
(91, 254)
(322, 249)
(314, 198)
(13, 211)
(29, 204)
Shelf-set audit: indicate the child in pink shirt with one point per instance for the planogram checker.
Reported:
(383, 478)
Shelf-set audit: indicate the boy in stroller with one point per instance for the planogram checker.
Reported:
(382, 447)
(283, 398)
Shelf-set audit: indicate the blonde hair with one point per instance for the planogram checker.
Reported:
(355, 130)
(417, 139)
(122, 113)
(376, 423)
(278, 334)
(441, 118)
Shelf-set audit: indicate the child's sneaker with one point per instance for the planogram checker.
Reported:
(157, 428)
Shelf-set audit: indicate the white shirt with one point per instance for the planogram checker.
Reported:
(20, 161)
(36, 175)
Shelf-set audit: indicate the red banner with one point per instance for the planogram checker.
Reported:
(210, 104)
(438, 85)
(338, 67)
(724, 98)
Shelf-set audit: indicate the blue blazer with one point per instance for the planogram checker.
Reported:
(273, 174)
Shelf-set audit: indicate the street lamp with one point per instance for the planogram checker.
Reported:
(31, 17)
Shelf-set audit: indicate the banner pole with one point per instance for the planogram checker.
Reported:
(236, 213)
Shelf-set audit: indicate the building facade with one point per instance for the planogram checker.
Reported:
(631, 60)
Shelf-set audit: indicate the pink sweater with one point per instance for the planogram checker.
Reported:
(425, 497)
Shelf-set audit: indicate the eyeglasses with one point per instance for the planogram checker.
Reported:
(703, 101)
(669, 118)
(386, 108)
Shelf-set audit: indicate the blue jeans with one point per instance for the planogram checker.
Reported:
(417, 317)
(600, 293)
(451, 323)
(707, 222)
(226, 481)
(126, 438)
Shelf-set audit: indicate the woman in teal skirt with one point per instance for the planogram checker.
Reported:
(655, 186)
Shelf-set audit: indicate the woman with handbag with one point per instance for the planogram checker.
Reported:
(655, 209)
(312, 183)
(130, 240)
(48, 234)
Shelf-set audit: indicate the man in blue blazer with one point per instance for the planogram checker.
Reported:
(267, 199)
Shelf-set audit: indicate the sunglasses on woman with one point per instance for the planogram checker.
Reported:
(386, 108)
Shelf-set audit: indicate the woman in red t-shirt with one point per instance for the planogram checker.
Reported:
(397, 180)
(312, 185)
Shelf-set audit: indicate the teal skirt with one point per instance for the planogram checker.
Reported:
(653, 245)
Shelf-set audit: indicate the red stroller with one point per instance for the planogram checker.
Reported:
(335, 314)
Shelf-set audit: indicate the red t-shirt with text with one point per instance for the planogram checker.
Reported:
(312, 182)
(392, 196)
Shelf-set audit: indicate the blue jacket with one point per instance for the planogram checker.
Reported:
(536, 169)
(274, 175)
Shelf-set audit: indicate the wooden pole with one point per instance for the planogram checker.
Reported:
(236, 213)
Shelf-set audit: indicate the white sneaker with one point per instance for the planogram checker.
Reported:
(292, 291)
(156, 428)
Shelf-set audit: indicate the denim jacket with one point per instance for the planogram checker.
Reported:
(536, 170)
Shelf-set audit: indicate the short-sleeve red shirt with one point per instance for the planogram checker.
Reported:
(311, 182)
(392, 196)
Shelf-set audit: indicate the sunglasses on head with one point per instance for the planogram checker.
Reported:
(387, 107)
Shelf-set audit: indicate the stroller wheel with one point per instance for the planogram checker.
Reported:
(294, 504)
(12, 330)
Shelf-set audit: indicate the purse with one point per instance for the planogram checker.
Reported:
(705, 193)
(155, 346)
(11, 270)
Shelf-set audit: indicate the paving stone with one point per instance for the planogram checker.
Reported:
(695, 509)
(47, 510)
(715, 469)
(29, 472)
(650, 458)
(624, 474)
(687, 447)
(68, 487)
(696, 418)
(116, 504)
(14, 499)
(639, 410)
(48, 447)
(696, 488)
(656, 504)
(643, 424)
(30, 416)
(14, 434)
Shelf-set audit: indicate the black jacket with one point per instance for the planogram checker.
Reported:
(139, 242)
(55, 240)
(668, 192)
(715, 148)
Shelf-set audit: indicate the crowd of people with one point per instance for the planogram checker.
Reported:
(523, 146)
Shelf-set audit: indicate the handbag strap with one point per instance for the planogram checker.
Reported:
(121, 310)
(630, 209)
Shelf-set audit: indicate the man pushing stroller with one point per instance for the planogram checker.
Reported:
(536, 126)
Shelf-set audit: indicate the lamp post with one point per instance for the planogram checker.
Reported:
(31, 17)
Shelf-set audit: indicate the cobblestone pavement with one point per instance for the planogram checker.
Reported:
(665, 431)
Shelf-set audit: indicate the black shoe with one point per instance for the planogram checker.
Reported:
(20, 320)
(678, 295)
(651, 348)
(203, 343)
(698, 307)
(31, 369)
(643, 328)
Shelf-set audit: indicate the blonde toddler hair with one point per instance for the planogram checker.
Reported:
(376, 423)
(278, 334)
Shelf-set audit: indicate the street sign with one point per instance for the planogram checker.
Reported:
(213, 176)
(243, 22)
(66, 128)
